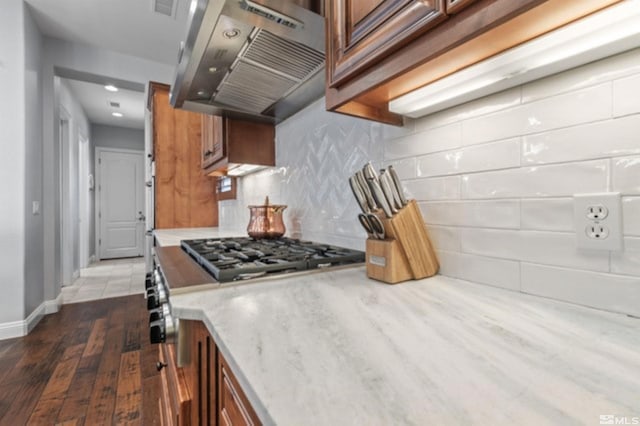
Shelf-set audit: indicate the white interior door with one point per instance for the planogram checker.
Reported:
(120, 191)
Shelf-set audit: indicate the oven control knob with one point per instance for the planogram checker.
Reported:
(152, 300)
(156, 331)
(149, 281)
(155, 315)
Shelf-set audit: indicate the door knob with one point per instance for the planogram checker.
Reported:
(141, 217)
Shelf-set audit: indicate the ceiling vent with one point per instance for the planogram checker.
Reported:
(114, 104)
(165, 7)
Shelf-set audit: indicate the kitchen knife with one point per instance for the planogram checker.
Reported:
(379, 197)
(386, 190)
(365, 189)
(398, 185)
(384, 174)
(358, 193)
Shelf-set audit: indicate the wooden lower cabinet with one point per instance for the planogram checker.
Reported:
(213, 395)
(233, 407)
(175, 396)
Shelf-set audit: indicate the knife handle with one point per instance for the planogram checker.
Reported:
(364, 187)
(388, 181)
(388, 193)
(379, 197)
(359, 194)
(398, 185)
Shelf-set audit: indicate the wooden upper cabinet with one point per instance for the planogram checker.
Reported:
(184, 196)
(227, 141)
(379, 50)
(213, 146)
(366, 31)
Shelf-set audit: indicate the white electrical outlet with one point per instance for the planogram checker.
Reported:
(598, 222)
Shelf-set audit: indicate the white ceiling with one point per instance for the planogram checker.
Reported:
(126, 26)
(95, 99)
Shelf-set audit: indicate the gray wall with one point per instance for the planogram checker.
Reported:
(12, 161)
(117, 137)
(34, 271)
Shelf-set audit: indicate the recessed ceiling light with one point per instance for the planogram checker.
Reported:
(116, 114)
(111, 88)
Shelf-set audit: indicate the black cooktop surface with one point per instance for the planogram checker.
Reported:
(231, 259)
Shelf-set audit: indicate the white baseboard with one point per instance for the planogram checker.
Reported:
(9, 330)
(53, 306)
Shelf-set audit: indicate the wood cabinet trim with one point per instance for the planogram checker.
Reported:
(455, 6)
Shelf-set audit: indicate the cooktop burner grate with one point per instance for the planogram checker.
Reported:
(231, 259)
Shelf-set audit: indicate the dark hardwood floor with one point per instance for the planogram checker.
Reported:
(89, 364)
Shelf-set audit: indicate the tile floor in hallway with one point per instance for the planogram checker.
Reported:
(105, 279)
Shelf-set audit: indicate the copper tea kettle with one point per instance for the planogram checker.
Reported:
(266, 221)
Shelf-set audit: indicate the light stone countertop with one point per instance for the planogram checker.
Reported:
(335, 348)
(172, 237)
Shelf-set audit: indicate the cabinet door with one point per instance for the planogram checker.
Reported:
(213, 146)
(363, 32)
(176, 397)
(233, 407)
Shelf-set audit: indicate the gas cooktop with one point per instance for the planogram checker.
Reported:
(231, 259)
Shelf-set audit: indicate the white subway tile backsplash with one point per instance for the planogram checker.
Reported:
(431, 140)
(480, 269)
(544, 181)
(626, 95)
(584, 142)
(604, 291)
(631, 215)
(405, 168)
(494, 178)
(580, 106)
(483, 106)
(486, 214)
(444, 237)
(627, 262)
(446, 188)
(550, 248)
(388, 132)
(547, 214)
(626, 175)
(492, 156)
(587, 75)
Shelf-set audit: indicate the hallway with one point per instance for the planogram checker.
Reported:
(106, 279)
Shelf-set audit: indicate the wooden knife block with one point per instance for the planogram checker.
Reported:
(406, 252)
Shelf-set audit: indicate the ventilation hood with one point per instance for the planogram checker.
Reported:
(252, 59)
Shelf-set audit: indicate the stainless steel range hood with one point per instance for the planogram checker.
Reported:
(257, 59)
